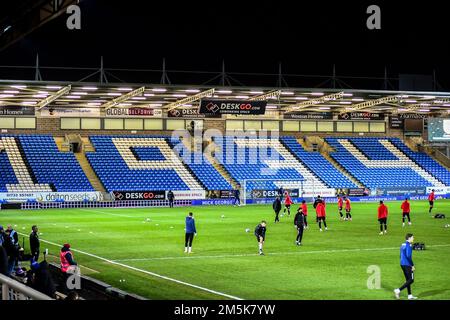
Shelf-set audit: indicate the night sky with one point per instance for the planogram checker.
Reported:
(252, 36)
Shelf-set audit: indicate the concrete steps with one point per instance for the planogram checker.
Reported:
(89, 172)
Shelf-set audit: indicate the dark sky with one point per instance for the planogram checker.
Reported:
(308, 37)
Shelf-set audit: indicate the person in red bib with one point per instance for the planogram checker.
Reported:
(67, 262)
(340, 204)
(406, 209)
(382, 217)
(431, 198)
(321, 214)
(287, 203)
(348, 209)
(304, 208)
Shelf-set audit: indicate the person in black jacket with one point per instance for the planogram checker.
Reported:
(39, 278)
(3, 261)
(34, 243)
(277, 208)
(170, 197)
(299, 223)
(260, 233)
(11, 250)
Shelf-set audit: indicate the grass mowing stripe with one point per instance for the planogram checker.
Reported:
(271, 254)
(145, 271)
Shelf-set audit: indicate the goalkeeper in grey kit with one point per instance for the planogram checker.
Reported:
(260, 233)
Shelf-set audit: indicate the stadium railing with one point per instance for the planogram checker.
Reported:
(14, 290)
(107, 204)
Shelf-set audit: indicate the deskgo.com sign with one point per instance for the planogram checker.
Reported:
(69, 196)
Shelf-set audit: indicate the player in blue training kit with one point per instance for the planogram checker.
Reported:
(407, 266)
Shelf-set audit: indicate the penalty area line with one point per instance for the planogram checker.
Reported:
(146, 272)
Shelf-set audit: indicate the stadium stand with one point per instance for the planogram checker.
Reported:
(18, 177)
(425, 161)
(139, 163)
(379, 171)
(60, 170)
(318, 165)
(253, 159)
(201, 167)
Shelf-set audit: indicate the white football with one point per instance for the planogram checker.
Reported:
(247, 230)
(222, 216)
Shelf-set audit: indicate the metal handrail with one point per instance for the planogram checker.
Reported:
(24, 291)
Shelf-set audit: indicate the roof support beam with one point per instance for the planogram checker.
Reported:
(53, 97)
(123, 98)
(425, 104)
(312, 102)
(265, 96)
(370, 103)
(193, 98)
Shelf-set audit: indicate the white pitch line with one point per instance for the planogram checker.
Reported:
(147, 272)
(112, 214)
(269, 254)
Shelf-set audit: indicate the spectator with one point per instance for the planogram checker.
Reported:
(2, 235)
(67, 261)
(170, 197)
(34, 243)
(3, 255)
(39, 278)
(11, 251)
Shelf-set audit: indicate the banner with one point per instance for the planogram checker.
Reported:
(314, 193)
(309, 115)
(354, 192)
(190, 113)
(189, 195)
(139, 195)
(262, 194)
(398, 191)
(439, 190)
(51, 196)
(133, 112)
(220, 194)
(17, 111)
(361, 116)
(217, 107)
(69, 112)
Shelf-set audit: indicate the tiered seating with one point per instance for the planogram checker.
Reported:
(247, 159)
(202, 168)
(425, 161)
(7, 175)
(373, 149)
(50, 166)
(319, 165)
(384, 173)
(138, 163)
(24, 181)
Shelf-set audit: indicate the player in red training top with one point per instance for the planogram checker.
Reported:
(340, 204)
(406, 209)
(321, 215)
(348, 209)
(382, 217)
(304, 208)
(431, 198)
(287, 203)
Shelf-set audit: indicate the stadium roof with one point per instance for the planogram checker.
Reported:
(43, 94)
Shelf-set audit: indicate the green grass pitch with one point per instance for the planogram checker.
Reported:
(146, 256)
